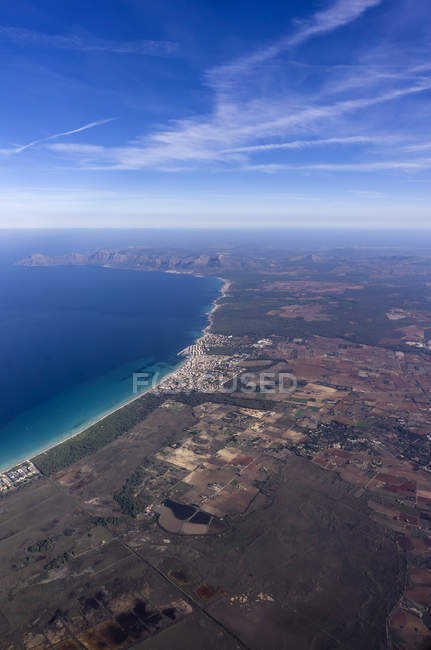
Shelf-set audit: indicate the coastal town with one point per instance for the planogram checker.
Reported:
(203, 370)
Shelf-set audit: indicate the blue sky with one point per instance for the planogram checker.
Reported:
(307, 113)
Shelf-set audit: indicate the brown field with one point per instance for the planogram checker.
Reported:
(307, 312)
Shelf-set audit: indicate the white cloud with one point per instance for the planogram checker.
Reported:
(85, 127)
(222, 138)
(70, 147)
(424, 146)
(385, 165)
(252, 115)
(368, 194)
(303, 144)
(86, 44)
(338, 14)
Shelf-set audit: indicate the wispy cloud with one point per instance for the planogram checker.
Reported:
(219, 140)
(85, 127)
(304, 144)
(338, 14)
(253, 114)
(386, 165)
(86, 44)
(368, 194)
(71, 147)
(423, 146)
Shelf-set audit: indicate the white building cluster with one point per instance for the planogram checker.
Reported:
(16, 476)
(202, 371)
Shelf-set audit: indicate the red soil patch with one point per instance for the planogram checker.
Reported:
(307, 312)
(205, 592)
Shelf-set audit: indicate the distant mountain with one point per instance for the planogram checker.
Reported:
(204, 263)
(145, 260)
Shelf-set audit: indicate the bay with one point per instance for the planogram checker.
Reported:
(71, 338)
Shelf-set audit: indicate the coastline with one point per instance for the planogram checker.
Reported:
(87, 425)
(216, 303)
(170, 375)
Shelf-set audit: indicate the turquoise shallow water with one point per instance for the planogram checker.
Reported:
(71, 339)
(73, 409)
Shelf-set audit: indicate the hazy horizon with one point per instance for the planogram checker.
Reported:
(18, 243)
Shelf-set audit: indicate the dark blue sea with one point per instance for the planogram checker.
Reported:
(71, 338)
